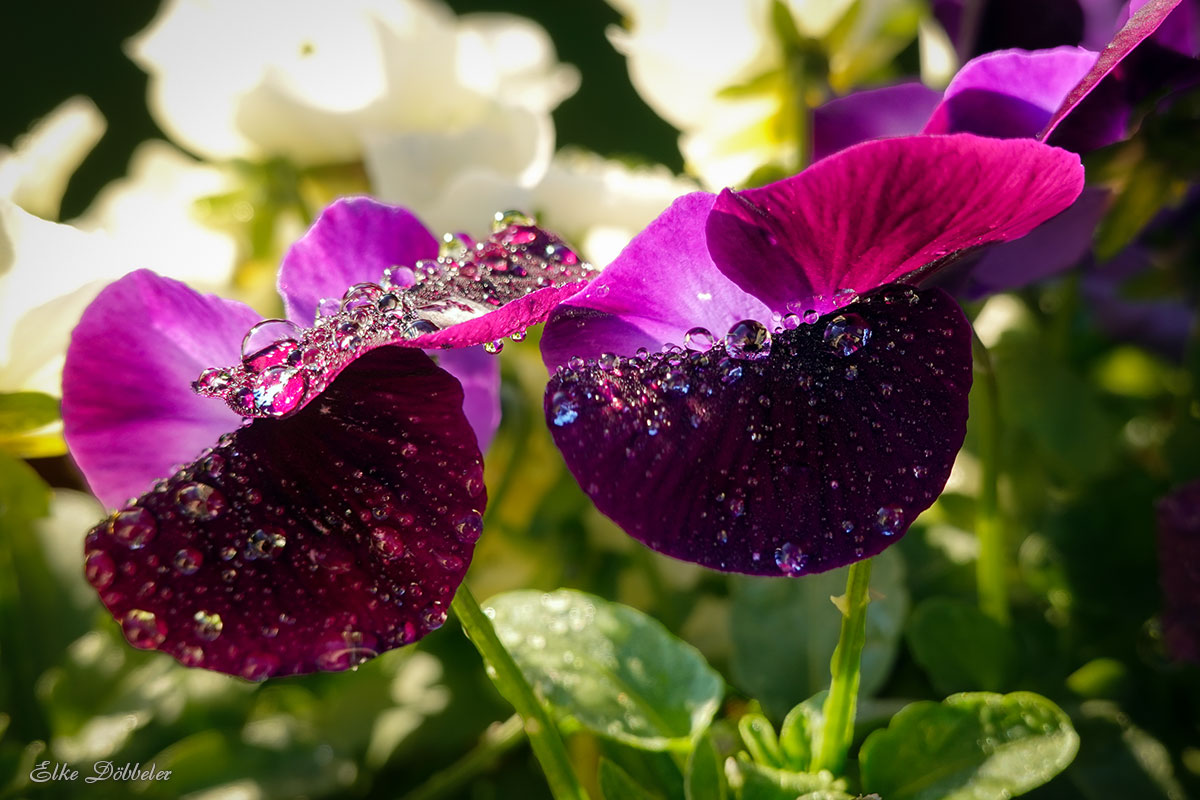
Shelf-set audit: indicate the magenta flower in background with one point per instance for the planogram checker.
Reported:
(328, 511)
(819, 398)
(1179, 567)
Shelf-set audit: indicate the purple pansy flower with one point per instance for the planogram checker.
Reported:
(1179, 566)
(1056, 95)
(328, 510)
(812, 433)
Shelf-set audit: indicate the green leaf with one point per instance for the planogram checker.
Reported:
(972, 746)
(613, 669)
(761, 741)
(784, 632)
(1119, 759)
(704, 779)
(799, 732)
(615, 784)
(960, 647)
(755, 782)
(31, 425)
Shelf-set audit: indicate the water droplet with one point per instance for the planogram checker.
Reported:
(265, 543)
(274, 392)
(388, 542)
(387, 302)
(187, 561)
(468, 528)
(270, 343)
(208, 626)
(851, 372)
(503, 219)
(347, 651)
(729, 369)
(890, 519)
(419, 327)
(811, 316)
(676, 381)
(143, 630)
(700, 339)
(493, 347)
(133, 527)
(791, 321)
(564, 408)
(259, 666)
(211, 380)
(199, 501)
(737, 506)
(99, 569)
(608, 362)
(790, 559)
(453, 246)
(748, 340)
(847, 334)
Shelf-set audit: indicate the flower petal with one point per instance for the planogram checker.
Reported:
(1011, 93)
(479, 374)
(872, 114)
(311, 543)
(1179, 562)
(129, 412)
(353, 241)
(818, 455)
(884, 211)
(1140, 25)
(662, 285)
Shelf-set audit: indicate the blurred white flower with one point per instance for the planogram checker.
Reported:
(725, 74)
(420, 95)
(34, 173)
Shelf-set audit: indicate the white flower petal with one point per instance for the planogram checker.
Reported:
(34, 174)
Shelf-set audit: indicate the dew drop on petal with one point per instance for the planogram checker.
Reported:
(564, 408)
(270, 343)
(846, 334)
(134, 527)
(208, 626)
(143, 630)
(493, 347)
(748, 340)
(199, 501)
(790, 559)
(211, 380)
(187, 561)
(266, 543)
(99, 569)
(890, 519)
(468, 528)
(503, 219)
(361, 295)
(388, 542)
(259, 666)
(700, 339)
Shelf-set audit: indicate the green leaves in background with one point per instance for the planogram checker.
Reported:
(704, 779)
(972, 746)
(784, 632)
(753, 781)
(960, 647)
(30, 425)
(617, 784)
(613, 669)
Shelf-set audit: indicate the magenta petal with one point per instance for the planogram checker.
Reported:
(1011, 93)
(1140, 25)
(663, 284)
(353, 241)
(817, 455)
(479, 374)
(129, 413)
(1179, 563)
(884, 211)
(311, 543)
(871, 114)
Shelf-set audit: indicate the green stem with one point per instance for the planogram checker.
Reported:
(840, 706)
(497, 740)
(991, 568)
(543, 735)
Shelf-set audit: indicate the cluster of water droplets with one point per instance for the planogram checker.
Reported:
(284, 366)
(815, 390)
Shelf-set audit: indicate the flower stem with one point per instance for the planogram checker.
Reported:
(543, 735)
(840, 706)
(497, 740)
(991, 568)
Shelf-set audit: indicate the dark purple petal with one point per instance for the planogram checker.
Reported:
(1011, 93)
(353, 241)
(662, 285)
(1163, 324)
(871, 114)
(1140, 25)
(1180, 31)
(817, 454)
(1053, 247)
(129, 413)
(311, 543)
(884, 211)
(1179, 564)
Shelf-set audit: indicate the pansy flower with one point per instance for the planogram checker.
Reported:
(758, 384)
(329, 506)
(1058, 95)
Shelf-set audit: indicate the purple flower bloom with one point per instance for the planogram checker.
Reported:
(338, 518)
(812, 433)
(1179, 565)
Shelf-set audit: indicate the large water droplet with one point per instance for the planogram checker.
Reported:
(134, 527)
(99, 569)
(388, 542)
(890, 520)
(418, 327)
(503, 219)
(493, 347)
(143, 629)
(265, 543)
(274, 392)
(270, 343)
(208, 626)
(790, 559)
(564, 408)
(748, 340)
(468, 528)
(213, 379)
(199, 501)
(699, 339)
(847, 334)
(361, 295)
(187, 561)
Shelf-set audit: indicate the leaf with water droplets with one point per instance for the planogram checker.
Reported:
(615, 670)
(311, 543)
(774, 457)
(972, 746)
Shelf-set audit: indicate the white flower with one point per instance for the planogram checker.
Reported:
(423, 97)
(34, 174)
